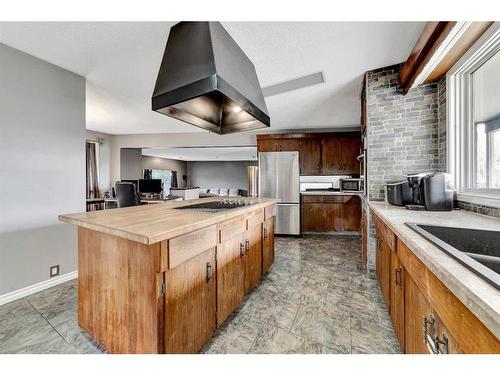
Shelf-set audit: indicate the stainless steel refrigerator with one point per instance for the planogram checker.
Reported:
(279, 178)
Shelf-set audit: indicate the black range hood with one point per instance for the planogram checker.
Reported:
(206, 80)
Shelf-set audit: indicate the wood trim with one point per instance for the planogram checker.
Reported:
(270, 211)
(472, 335)
(428, 43)
(305, 135)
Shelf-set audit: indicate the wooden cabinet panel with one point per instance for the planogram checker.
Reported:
(186, 246)
(383, 271)
(267, 145)
(310, 156)
(351, 214)
(322, 198)
(364, 237)
(190, 304)
(350, 151)
(397, 309)
(268, 244)
(230, 276)
(253, 257)
(447, 343)
(289, 145)
(416, 308)
(321, 217)
(331, 155)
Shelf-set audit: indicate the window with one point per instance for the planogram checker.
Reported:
(473, 101)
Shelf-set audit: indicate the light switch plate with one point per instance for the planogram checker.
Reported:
(54, 271)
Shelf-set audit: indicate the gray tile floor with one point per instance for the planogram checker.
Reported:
(314, 299)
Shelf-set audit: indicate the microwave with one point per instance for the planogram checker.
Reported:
(351, 184)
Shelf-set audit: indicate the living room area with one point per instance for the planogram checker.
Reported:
(149, 175)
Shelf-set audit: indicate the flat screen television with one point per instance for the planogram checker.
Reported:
(150, 186)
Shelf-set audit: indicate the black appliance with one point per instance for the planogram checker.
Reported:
(431, 192)
(206, 80)
(399, 193)
(476, 249)
(216, 206)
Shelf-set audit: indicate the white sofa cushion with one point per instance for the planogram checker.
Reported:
(214, 191)
(233, 192)
(224, 192)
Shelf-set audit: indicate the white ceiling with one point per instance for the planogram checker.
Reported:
(120, 61)
(204, 153)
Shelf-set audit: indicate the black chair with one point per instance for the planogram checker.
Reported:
(126, 194)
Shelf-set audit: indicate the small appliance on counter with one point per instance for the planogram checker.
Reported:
(425, 191)
(352, 184)
(399, 193)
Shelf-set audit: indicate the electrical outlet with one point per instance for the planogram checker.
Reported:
(54, 271)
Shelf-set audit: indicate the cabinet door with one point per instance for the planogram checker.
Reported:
(350, 151)
(364, 237)
(267, 145)
(416, 309)
(253, 257)
(268, 244)
(321, 217)
(310, 156)
(190, 304)
(397, 298)
(383, 270)
(351, 214)
(331, 155)
(444, 341)
(230, 276)
(289, 145)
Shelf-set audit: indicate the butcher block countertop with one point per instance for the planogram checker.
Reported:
(149, 224)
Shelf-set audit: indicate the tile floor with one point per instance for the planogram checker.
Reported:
(314, 299)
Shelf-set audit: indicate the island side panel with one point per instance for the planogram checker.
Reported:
(119, 302)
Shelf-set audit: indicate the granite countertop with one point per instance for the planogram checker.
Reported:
(480, 297)
(149, 224)
(331, 193)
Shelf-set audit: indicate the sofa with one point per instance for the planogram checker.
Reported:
(222, 192)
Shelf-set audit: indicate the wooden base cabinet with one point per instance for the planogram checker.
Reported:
(253, 257)
(268, 244)
(330, 213)
(426, 316)
(190, 304)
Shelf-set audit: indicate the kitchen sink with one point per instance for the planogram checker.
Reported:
(476, 249)
(217, 206)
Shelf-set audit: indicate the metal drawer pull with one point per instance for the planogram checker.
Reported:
(428, 334)
(441, 345)
(242, 249)
(265, 233)
(209, 271)
(247, 245)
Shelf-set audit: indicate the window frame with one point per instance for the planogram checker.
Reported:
(459, 99)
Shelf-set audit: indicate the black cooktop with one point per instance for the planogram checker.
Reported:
(216, 206)
(478, 250)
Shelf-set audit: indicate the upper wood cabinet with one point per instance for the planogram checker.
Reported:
(319, 153)
(310, 156)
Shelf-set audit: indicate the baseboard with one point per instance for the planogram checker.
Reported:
(17, 294)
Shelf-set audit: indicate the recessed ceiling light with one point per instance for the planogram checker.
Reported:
(236, 109)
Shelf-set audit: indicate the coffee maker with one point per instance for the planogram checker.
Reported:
(431, 191)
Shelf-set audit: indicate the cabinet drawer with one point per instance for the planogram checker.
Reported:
(270, 211)
(182, 248)
(231, 228)
(322, 198)
(384, 233)
(255, 218)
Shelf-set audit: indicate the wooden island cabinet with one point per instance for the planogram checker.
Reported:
(426, 316)
(153, 279)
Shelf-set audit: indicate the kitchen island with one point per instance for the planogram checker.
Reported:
(159, 279)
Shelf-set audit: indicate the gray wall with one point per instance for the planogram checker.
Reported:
(402, 130)
(42, 167)
(130, 163)
(218, 174)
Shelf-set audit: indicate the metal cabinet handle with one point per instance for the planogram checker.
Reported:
(265, 233)
(399, 277)
(247, 245)
(441, 345)
(380, 242)
(242, 249)
(428, 334)
(209, 271)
